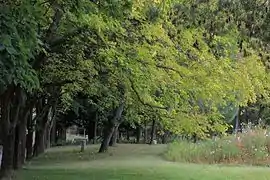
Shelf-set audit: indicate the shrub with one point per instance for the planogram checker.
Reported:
(252, 148)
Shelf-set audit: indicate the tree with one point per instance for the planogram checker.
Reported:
(34, 34)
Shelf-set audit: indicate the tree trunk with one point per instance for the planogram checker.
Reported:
(20, 140)
(111, 126)
(60, 135)
(42, 128)
(1, 133)
(53, 134)
(138, 134)
(91, 130)
(8, 152)
(29, 144)
(108, 132)
(165, 138)
(23, 146)
(153, 131)
(236, 122)
(261, 109)
(114, 136)
(29, 136)
(128, 136)
(246, 116)
(17, 147)
(48, 138)
(145, 137)
(51, 125)
(95, 133)
(64, 134)
(11, 105)
(39, 146)
(194, 137)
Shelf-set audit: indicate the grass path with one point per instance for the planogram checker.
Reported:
(128, 162)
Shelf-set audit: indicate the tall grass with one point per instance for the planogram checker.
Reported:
(251, 148)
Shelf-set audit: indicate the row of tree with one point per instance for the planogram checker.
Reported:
(184, 64)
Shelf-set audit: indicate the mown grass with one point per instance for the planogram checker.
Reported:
(72, 154)
(128, 162)
(165, 172)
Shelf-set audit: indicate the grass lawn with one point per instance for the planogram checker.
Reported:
(128, 162)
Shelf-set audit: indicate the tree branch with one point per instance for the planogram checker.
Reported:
(162, 67)
(60, 40)
(169, 68)
(141, 101)
(55, 23)
(41, 57)
(44, 110)
(59, 83)
(264, 4)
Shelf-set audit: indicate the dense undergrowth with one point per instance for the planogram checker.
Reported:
(252, 147)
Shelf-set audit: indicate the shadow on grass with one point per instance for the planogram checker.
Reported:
(71, 154)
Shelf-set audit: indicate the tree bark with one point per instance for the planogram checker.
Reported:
(42, 127)
(108, 132)
(1, 132)
(145, 133)
(29, 137)
(138, 134)
(11, 105)
(29, 144)
(47, 138)
(153, 131)
(91, 130)
(127, 132)
(95, 133)
(236, 122)
(20, 141)
(8, 152)
(111, 126)
(52, 117)
(8, 134)
(23, 146)
(194, 137)
(60, 135)
(63, 134)
(114, 137)
(17, 147)
(259, 118)
(246, 116)
(53, 134)
(165, 138)
(39, 146)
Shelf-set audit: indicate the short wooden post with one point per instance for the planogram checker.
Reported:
(83, 144)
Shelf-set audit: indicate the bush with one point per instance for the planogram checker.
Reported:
(251, 148)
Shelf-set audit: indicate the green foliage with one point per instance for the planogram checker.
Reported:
(19, 42)
(180, 61)
(175, 60)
